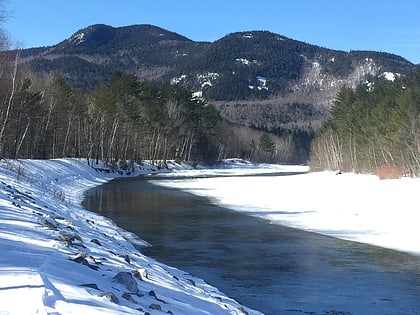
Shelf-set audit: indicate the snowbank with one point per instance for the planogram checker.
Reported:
(57, 258)
(348, 206)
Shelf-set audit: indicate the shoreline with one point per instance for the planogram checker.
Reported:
(354, 207)
(63, 258)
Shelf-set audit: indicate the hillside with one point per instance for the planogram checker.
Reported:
(256, 79)
(92, 54)
(240, 66)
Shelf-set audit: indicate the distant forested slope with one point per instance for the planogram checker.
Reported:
(376, 125)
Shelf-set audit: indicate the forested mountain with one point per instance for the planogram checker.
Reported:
(281, 88)
(245, 66)
(93, 54)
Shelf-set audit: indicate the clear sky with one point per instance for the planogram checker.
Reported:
(383, 25)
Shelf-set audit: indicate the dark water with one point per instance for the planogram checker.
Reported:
(271, 268)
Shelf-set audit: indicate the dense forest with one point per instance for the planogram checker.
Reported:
(124, 119)
(374, 126)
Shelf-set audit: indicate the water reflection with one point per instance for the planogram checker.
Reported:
(274, 269)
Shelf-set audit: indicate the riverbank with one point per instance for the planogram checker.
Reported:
(268, 267)
(348, 206)
(58, 258)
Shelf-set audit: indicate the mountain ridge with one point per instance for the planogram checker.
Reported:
(236, 72)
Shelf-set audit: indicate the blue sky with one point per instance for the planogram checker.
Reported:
(389, 26)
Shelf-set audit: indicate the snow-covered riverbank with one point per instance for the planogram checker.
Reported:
(58, 258)
(349, 206)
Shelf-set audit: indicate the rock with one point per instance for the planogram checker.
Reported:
(126, 257)
(155, 306)
(129, 298)
(127, 279)
(242, 311)
(71, 239)
(190, 281)
(90, 285)
(96, 242)
(152, 293)
(81, 259)
(110, 297)
(50, 226)
(140, 273)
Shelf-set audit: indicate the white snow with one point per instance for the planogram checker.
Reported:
(78, 38)
(261, 81)
(178, 80)
(243, 61)
(354, 207)
(248, 36)
(390, 76)
(58, 258)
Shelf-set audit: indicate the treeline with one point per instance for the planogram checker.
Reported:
(376, 125)
(123, 120)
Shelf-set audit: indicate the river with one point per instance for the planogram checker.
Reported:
(271, 268)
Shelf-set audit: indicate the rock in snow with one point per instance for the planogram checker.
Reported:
(63, 259)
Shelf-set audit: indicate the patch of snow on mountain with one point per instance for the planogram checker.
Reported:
(262, 83)
(243, 61)
(178, 79)
(206, 83)
(390, 76)
(370, 86)
(78, 38)
(370, 65)
(207, 79)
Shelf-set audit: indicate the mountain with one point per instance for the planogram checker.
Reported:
(92, 54)
(255, 78)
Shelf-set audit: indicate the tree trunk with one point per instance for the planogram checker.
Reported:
(9, 104)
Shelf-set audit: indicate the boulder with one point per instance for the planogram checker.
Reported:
(127, 279)
(110, 297)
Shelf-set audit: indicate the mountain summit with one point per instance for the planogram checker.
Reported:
(236, 72)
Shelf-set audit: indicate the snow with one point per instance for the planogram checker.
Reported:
(179, 79)
(58, 258)
(390, 76)
(353, 207)
(243, 61)
(78, 38)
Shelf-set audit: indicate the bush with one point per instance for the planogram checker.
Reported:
(389, 172)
